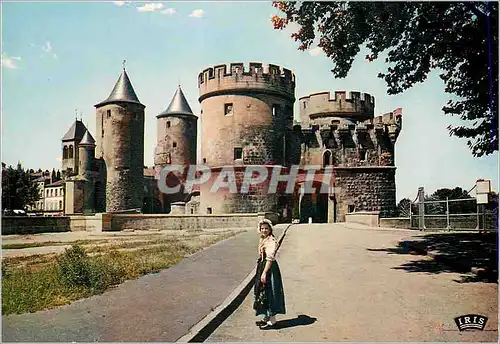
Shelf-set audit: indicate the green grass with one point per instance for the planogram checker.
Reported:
(44, 282)
(49, 243)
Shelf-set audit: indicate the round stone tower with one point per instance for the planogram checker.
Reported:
(247, 119)
(120, 143)
(177, 143)
(86, 168)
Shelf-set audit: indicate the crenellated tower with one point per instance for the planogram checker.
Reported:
(120, 143)
(340, 130)
(247, 119)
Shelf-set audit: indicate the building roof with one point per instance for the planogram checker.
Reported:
(122, 92)
(178, 106)
(87, 140)
(76, 131)
(42, 179)
(55, 184)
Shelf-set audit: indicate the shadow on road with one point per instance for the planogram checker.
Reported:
(452, 252)
(301, 320)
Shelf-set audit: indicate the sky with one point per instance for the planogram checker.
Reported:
(59, 59)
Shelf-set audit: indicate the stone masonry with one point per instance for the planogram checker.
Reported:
(247, 119)
(121, 145)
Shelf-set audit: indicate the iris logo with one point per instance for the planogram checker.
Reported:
(471, 322)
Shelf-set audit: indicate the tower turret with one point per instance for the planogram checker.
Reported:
(120, 143)
(177, 133)
(86, 150)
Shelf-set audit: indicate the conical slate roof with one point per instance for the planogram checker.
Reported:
(178, 106)
(122, 92)
(87, 140)
(76, 131)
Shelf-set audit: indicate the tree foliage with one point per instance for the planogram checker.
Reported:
(457, 207)
(460, 40)
(18, 190)
(404, 207)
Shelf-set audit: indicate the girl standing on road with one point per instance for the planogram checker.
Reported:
(269, 298)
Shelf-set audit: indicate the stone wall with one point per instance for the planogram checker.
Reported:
(34, 224)
(118, 222)
(395, 222)
(185, 222)
(223, 201)
(364, 217)
(365, 189)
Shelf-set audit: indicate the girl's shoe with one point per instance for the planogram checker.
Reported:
(267, 326)
(262, 322)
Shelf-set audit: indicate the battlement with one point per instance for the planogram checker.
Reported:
(267, 78)
(390, 123)
(355, 105)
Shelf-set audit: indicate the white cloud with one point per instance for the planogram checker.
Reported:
(119, 3)
(197, 13)
(9, 62)
(315, 51)
(150, 7)
(48, 49)
(169, 11)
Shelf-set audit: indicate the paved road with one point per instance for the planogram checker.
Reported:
(157, 307)
(340, 285)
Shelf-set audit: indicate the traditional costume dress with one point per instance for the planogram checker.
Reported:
(269, 298)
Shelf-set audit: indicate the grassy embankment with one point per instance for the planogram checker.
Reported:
(34, 283)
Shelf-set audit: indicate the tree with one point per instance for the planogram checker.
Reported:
(18, 191)
(460, 207)
(460, 40)
(404, 207)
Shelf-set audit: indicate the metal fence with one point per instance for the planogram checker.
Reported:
(452, 214)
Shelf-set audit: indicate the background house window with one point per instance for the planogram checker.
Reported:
(238, 153)
(327, 158)
(70, 155)
(209, 210)
(108, 113)
(275, 109)
(168, 124)
(174, 144)
(362, 154)
(204, 160)
(228, 109)
(350, 208)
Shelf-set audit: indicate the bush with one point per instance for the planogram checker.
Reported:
(74, 267)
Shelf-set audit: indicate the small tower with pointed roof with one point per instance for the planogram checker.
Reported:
(120, 143)
(176, 138)
(177, 133)
(86, 170)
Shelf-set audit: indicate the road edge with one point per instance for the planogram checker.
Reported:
(202, 330)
